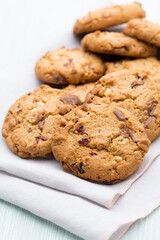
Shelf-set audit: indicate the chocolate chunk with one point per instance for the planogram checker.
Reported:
(93, 154)
(142, 77)
(127, 132)
(139, 77)
(40, 117)
(151, 106)
(58, 79)
(29, 94)
(80, 168)
(68, 63)
(38, 139)
(136, 84)
(41, 120)
(30, 130)
(84, 141)
(75, 121)
(70, 99)
(151, 111)
(43, 138)
(119, 114)
(80, 130)
(41, 124)
(147, 122)
(151, 102)
(19, 111)
(132, 136)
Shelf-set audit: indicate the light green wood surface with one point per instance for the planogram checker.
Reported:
(18, 224)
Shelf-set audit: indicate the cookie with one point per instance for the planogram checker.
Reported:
(30, 121)
(116, 43)
(100, 143)
(80, 90)
(74, 66)
(151, 63)
(132, 64)
(134, 90)
(108, 17)
(144, 30)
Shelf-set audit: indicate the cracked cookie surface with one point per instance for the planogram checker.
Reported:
(100, 143)
(150, 63)
(74, 66)
(116, 43)
(80, 90)
(31, 120)
(108, 17)
(134, 90)
(144, 30)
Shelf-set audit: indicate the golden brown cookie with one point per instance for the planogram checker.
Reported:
(132, 64)
(116, 43)
(80, 90)
(74, 66)
(108, 17)
(100, 143)
(31, 120)
(134, 90)
(144, 30)
(151, 64)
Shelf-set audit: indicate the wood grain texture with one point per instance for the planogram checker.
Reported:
(19, 224)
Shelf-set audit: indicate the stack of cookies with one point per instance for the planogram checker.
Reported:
(98, 118)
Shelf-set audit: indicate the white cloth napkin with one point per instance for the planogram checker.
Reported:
(49, 173)
(80, 216)
(90, 210)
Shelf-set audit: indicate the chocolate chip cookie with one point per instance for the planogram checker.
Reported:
(107, 17)
(116, 43)
(100, 143)
(132, 64)
(151, 64)
(80, 90)
(74, 66)
(144, 30)
(32, 119)
(134, 90)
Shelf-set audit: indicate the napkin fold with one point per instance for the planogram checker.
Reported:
(81, 216)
